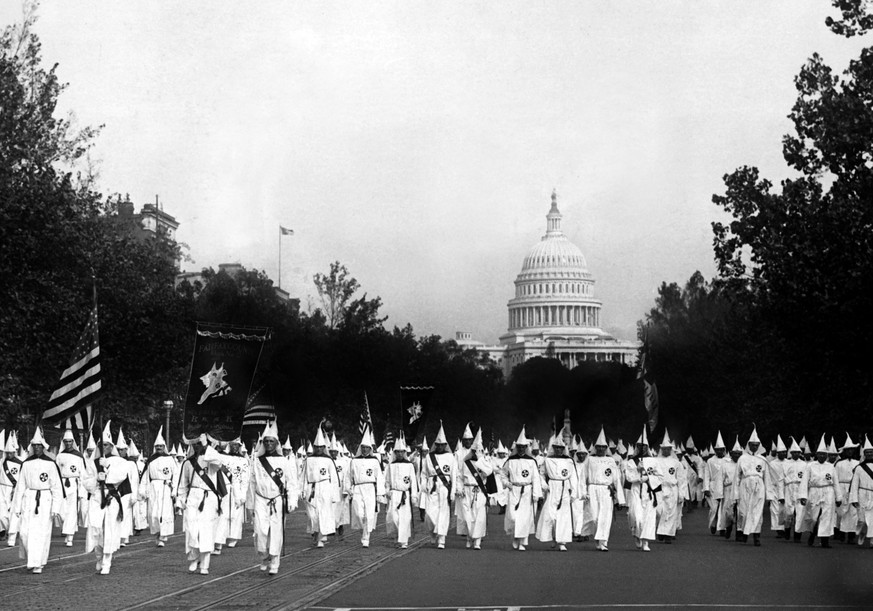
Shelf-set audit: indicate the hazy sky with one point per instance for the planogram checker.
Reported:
(419, 142)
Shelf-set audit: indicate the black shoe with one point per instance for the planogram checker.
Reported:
(668, 539)
(811, 541)
(659, 537)
(786, 534)
(825, 542)
(757, 539)
(780, 534)
(712, 530)
(839, 535)
(727, 533)
(797, 537)
(850, 538)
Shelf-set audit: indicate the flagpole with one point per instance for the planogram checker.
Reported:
(280, 256)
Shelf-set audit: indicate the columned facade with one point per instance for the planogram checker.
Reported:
(554, 311)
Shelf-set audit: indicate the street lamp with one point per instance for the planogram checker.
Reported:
(168, 407)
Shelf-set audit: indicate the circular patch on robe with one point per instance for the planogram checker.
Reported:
(828, 476)
(279, 473)
(339, 468)
(321, 471)
(369, 473)
(800, 474)
(165, 470)
(406, 479)
(564, 473)
(671, 471)
(650, 471)
(759, 468)
(608, 472)
(446, 468)
(525, 473)
(43, 477)
(72, 468)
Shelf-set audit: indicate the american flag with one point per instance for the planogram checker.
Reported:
(260, 409)
(365, 421)
(80, 383)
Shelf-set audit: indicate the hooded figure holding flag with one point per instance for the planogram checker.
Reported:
(156, 487)
(273, 492)
(37, 500)
(72, 467)
(109, 485)
(402, 493)
(367, 487)
(439, 479)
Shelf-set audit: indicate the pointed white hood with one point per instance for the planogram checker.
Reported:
(121, 443)
(780, 445)
(522, 439)
(753, 438)
(38, 439)
(644, 438)
(601, 439)
(159, 440)
(441, 436)
(849, 443)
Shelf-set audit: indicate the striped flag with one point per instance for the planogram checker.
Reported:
(80, 383)
(389, 435)
(285, 231)
(260, 409)
(364, 420)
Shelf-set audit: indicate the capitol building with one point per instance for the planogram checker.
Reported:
(554, 312)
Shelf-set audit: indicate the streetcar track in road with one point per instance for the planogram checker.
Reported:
(267, 582)
(324, 591)
(119, 554)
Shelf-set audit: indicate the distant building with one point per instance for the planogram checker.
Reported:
(231, 269)
(554, 312)
(151, 221)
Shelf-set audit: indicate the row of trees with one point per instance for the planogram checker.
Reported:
(783, 336)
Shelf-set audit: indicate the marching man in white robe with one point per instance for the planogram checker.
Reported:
(605, 490)
(202, 485)
(751, 484)
(273, 491)
(320, 490)
(642, 473)
(847, 514)
(402, 493)
(521, 478)
(367, 487)
(9, 471)
(777, 483)
(439, 480)
(461, 452)
(473, 472)
(108, 483)
(72, 467)
(861, 494)
(37, 501)
(821, 495)
(342, 508)
(795, 472)
(156, 488)
(712, 480)
(130, 499)
(236, 466)
(560, 488)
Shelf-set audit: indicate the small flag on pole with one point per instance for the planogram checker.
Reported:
(651, 390)
(285, 231)
(80, 383)
(365, 420)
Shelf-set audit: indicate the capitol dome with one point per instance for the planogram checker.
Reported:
(554, 292)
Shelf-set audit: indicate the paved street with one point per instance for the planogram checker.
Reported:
(699, 570)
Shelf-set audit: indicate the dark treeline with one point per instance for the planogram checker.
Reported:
(782, 337)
